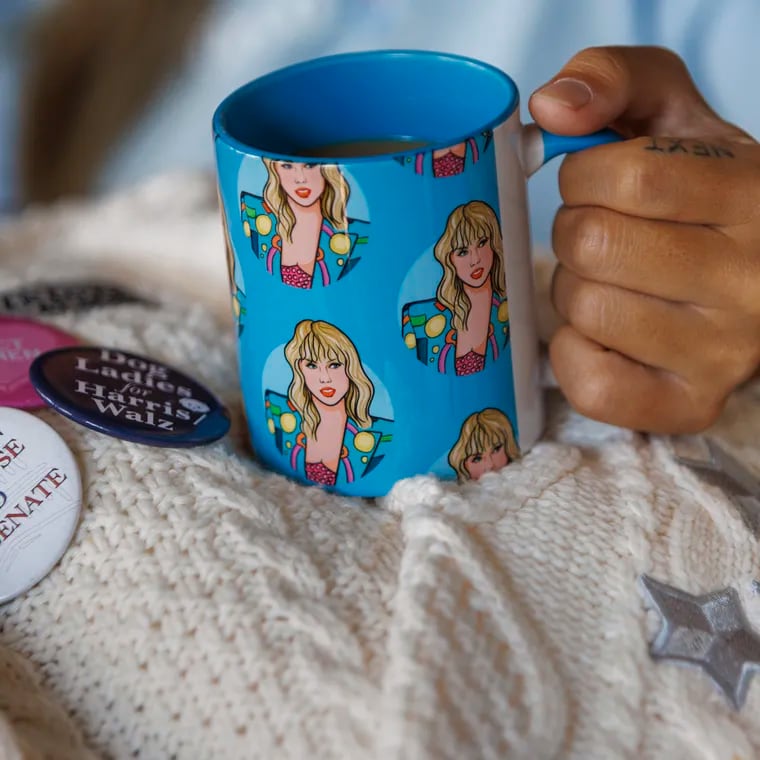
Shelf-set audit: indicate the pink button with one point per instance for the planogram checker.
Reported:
(21, 342)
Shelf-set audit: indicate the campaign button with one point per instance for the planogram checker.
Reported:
(40, 499)
(21, 342)
(129, 396)
(58, 297)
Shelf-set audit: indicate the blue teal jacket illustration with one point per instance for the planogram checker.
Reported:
(363, 448)
(338, 250)
(427, 328)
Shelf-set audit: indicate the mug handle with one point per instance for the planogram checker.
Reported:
(537, 146)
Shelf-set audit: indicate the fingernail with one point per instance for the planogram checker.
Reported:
(571, 93)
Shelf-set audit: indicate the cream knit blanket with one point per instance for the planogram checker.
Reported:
(208, 609)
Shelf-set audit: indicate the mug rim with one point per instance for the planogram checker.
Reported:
(222, 133)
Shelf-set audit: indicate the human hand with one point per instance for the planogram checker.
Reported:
(658, 244)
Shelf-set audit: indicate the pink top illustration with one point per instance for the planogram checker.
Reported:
(451, 160)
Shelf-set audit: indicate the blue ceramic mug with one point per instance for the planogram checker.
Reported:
(377, 236)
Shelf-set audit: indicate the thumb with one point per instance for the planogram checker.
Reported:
(635, 90)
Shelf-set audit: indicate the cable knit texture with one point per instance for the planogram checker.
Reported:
(209, 609)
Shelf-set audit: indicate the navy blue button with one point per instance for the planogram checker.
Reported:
(128, 396)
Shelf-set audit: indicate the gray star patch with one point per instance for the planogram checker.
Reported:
(716, 466)
(710, 631)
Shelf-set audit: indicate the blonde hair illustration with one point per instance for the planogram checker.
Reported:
(467, 224)
(320, 341)
(481, 432)
(333, 200)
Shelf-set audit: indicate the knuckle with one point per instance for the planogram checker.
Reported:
(704, 398)
(669, 58)
(605, 63)
(581, 238)
(616, 64)
(571, 175)
(589, 309)
(592, 394)
(704, 412)
(729, 352)
(634, 182)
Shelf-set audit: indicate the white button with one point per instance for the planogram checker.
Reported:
(40, 499)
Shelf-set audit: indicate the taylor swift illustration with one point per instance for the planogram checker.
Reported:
(467, 324)
(299, 226)
(324, 425)
(486, 443)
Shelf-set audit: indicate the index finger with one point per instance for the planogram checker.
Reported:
(682, 180)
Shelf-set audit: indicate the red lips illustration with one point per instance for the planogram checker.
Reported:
(328, 392)
(303, 192)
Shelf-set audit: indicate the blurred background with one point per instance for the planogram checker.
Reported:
(100, 94)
